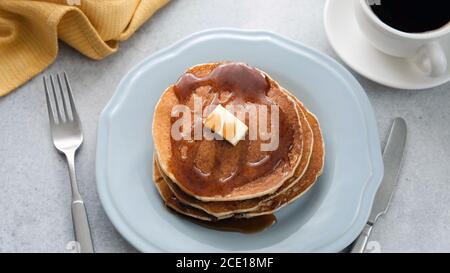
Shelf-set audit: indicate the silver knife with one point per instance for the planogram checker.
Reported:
(392, 159)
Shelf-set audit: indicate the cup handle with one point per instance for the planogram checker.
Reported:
(431, 59)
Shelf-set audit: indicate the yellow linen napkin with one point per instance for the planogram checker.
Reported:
(29, 32)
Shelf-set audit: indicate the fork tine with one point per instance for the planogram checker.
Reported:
(63, 98)
(51, 115)
(72, 103)
(58, 108)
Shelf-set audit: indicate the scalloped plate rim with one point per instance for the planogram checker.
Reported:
(373, 179)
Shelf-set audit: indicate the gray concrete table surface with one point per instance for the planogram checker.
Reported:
(34, 187)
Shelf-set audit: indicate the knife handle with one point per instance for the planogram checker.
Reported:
(360, 243)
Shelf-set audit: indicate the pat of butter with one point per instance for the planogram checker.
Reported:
(224, 123)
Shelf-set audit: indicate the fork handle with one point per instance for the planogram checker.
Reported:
(81, 227)
(79, 215)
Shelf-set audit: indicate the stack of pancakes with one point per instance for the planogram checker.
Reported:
(212, 180)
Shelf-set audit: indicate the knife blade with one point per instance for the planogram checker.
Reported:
(392, 160)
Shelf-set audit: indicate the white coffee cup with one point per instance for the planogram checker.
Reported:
(423, 49)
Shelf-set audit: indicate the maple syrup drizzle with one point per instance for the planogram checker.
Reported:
(241, 84)
(242, 225)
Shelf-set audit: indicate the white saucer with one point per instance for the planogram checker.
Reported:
(355, 50)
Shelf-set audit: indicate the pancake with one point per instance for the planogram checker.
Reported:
(313, 171)
(207, 171)
(224, 209)
(245, 204)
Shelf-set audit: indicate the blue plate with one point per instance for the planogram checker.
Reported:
(325, 219)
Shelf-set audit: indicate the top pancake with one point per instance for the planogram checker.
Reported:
(222, 171)
(224, 209)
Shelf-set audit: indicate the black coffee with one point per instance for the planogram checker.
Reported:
(413, 15)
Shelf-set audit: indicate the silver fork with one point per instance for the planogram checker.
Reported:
(67, 137)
